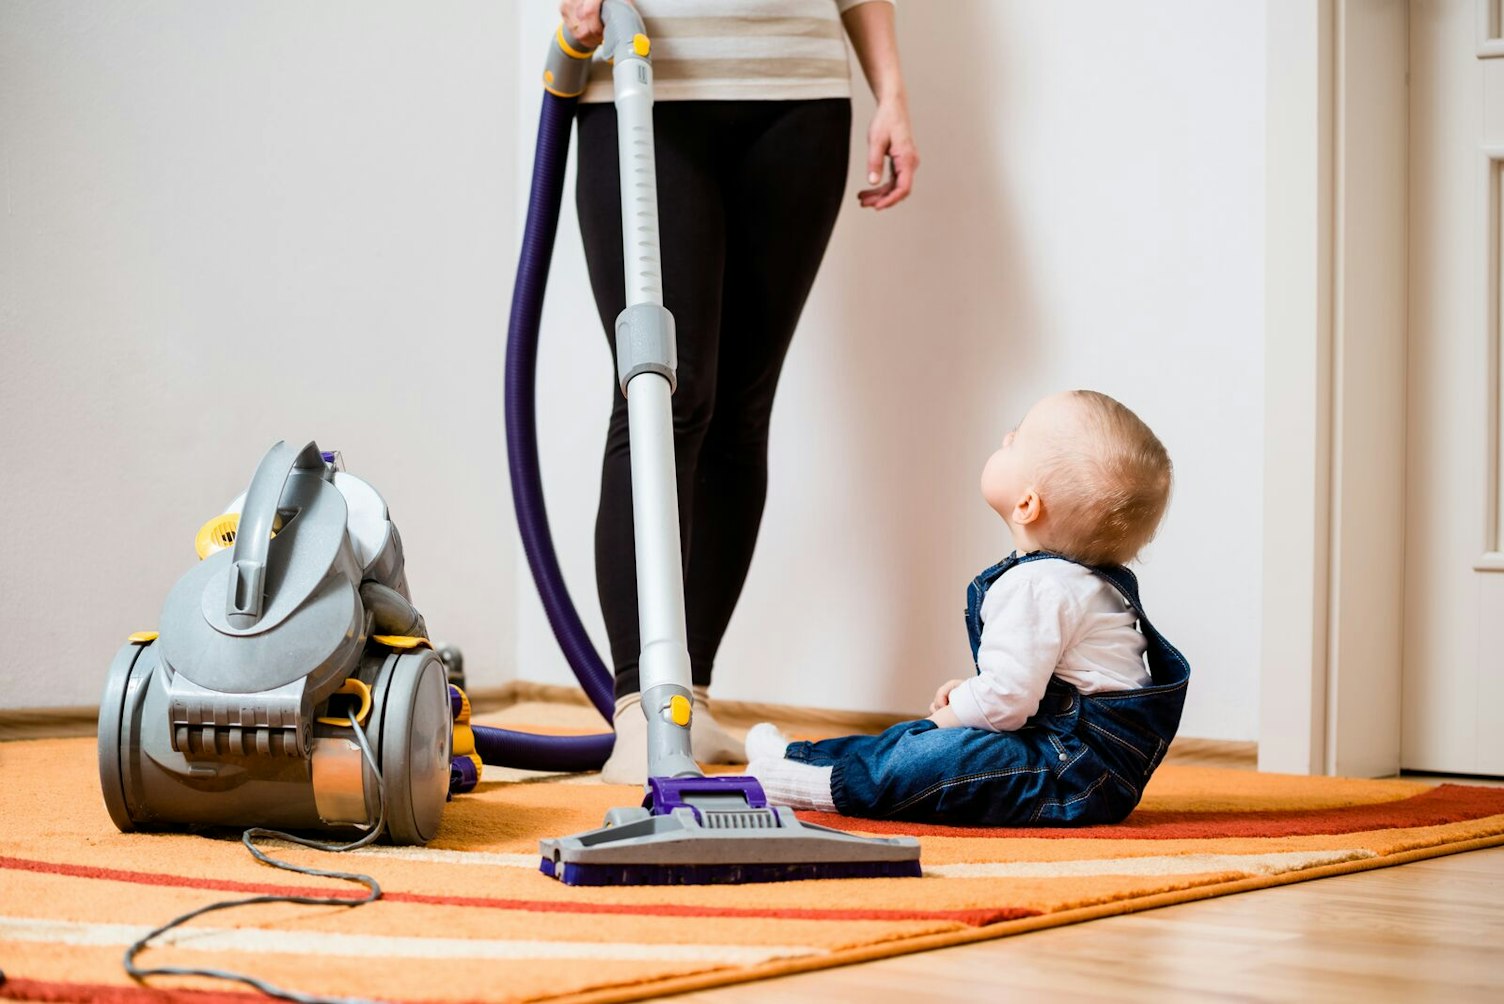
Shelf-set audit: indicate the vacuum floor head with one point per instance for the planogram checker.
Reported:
(718, 830)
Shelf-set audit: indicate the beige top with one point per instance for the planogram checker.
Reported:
(741, 50)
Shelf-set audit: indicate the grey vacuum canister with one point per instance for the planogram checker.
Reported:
(295, 629)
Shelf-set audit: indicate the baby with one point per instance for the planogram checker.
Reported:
(1063, 722)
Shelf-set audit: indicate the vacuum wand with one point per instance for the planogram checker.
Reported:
(646, 362)
(690, 829)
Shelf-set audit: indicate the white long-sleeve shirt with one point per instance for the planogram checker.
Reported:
(741, 50)
(1042, 619)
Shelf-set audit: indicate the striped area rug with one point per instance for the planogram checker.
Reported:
(469, 918)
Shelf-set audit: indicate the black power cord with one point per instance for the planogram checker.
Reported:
(248, 838)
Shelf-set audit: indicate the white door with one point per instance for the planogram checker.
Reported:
(1453, 692)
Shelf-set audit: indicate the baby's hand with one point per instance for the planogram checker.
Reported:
(942, 696)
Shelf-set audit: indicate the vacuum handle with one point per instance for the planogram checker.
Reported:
(246, 590)
(566, 71)
(623, 29)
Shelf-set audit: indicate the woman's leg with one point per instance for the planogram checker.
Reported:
(784, 169)
(728, 194)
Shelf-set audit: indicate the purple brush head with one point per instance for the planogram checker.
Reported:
(726, 874)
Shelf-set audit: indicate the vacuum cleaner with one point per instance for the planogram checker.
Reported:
(294, 631)
(297, 631)
(690, 829)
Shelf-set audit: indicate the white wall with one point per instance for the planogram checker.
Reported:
(1089, 214)
(228, 224)
(195, 195)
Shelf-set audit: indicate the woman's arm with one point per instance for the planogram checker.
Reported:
(875, 39)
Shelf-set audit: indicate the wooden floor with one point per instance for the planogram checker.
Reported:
(1429, 931)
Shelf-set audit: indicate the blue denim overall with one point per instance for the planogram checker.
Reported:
(1080, 759)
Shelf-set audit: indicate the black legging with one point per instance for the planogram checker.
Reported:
(748, 193)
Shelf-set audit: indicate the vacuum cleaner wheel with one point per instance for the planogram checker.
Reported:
(133, 661)
(413, 744)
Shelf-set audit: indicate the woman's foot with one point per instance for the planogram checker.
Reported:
(708, 739)
(628, 762)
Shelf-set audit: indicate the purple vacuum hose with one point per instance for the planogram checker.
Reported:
(503, 747)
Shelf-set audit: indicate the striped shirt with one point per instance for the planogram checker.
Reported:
(741, 50)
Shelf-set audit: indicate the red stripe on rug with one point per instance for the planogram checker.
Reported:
(107, 993)
(1447, 803)
(19, 989)
(980, 917)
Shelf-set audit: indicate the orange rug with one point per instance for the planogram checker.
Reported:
(470, 918)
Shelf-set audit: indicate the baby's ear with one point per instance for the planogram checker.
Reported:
(1028, 508)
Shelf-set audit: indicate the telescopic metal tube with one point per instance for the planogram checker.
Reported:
(639, 181)
(663, 663)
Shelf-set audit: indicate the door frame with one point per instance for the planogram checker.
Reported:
(1335, 344)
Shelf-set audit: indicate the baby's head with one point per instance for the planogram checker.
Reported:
(1081, 475)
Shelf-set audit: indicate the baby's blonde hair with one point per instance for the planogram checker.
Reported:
(1105, 490)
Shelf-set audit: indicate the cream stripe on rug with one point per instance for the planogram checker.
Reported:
(260, 940)
(1172, 864)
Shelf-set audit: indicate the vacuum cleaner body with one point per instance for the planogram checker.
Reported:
(238, 711)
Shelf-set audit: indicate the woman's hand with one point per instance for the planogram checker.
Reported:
(582, 19)
(942, 696)
(890, 139)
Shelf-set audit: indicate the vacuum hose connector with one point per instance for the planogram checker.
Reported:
(391, 612)
(567, 69)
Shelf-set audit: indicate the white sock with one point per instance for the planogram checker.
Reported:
(708, 739)
(765, 742)
(628, 763)
(797, 785)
